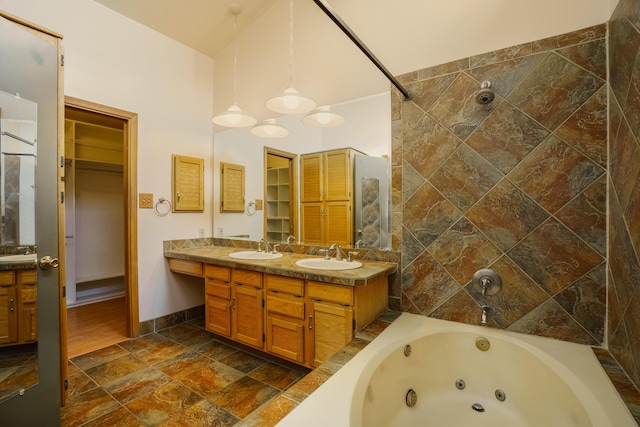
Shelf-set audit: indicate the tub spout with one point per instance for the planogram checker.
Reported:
(485, 311)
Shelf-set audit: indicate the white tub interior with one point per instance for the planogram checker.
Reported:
(545, 382)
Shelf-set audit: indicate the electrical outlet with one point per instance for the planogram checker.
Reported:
(201, 232)
(145, 201)
(220, 231)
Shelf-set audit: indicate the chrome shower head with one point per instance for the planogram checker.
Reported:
(485, 95)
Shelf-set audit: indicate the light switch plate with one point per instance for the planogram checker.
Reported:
(146, 201)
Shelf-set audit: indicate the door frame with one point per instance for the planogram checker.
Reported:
(130, 177)
(293, 189)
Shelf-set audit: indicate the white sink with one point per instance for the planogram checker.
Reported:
(254, 255)
(18, 258)
(328, 264)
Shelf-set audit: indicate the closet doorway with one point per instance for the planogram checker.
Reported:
(101, 225)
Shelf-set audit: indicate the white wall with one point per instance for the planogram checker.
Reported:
(368, 129)
(114, 61)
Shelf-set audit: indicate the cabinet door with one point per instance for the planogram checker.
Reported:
(338, 181)
(311, 177)
(285, 338)
(312, 223)
(338, 221)
(28, 315)
(218, 315)
(8, 315)
(248, 316)
(331, 330)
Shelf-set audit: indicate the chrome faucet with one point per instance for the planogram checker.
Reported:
(485, 311)
(338, 251)
(291, 239)
(267, 248)
(358, 243)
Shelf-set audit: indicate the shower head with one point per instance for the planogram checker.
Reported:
(485, 95)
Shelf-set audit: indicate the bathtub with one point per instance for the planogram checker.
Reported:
(430, 372)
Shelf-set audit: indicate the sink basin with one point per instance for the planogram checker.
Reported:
(328, 264)
(254, 255)
(18, 258)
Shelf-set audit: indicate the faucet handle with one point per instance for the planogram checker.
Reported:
(349, 255)
(326, 252)
(275, 248)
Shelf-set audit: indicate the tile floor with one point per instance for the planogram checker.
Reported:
(183, 376)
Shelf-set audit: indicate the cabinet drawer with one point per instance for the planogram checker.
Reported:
(27, 277)
(28, 294)
(247, 277)
(333, 293)
(185, 267)
(7, 278)
(288, 306)
(217, 272)
(287, 285)
(218, 289)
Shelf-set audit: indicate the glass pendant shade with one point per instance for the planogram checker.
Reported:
(290, 102)
(323, 117)
(269, 129)
(234, 117)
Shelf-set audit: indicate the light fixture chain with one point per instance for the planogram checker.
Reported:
(290, 43)
(235, 59)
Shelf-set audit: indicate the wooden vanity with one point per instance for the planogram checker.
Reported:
(298, 314)
(18, 307)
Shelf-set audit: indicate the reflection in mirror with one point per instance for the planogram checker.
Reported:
(372, 204)
(280, 195)
(18, 118)
(18, 289)
(367, 130)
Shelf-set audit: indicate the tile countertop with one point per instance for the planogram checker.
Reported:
(285, 265)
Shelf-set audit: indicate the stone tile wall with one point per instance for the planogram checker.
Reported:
(518, 186)
(623, 326)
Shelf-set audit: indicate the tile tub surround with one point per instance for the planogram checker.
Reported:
(623, 322)
(519, 186)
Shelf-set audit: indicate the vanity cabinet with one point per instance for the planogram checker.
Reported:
(297, 319)
(18, 307)
(247, 308)
(285, 317)
(326, 196)
(234, 304)
(331, 319)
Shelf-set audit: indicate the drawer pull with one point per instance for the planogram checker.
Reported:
(309, 322)
(275, 291)
(316, 299)
(297, 296)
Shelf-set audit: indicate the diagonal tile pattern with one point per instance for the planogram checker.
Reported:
(178, 376)
(518, 186)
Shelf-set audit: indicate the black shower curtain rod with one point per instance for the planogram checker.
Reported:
(322, 4)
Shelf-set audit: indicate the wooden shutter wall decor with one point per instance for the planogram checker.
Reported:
(231, 187)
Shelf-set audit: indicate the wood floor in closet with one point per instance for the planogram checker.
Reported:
(94, 326)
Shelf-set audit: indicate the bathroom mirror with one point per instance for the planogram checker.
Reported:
(18, 327)
(18, 127)
(367, 129)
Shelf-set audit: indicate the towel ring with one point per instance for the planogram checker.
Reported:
(162, 201)
(251, 208)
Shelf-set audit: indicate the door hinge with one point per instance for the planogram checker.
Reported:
(353, 324)
(61, 161)
(62, 60)
(66, 383)
(62, 197)
(263, 302)
(64, 292)
(264, 337)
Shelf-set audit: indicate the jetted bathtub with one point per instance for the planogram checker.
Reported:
(428, 372)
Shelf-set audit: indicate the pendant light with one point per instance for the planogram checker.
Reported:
(323, 117)
(290, 101)
(269, 129)
(234, 117)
